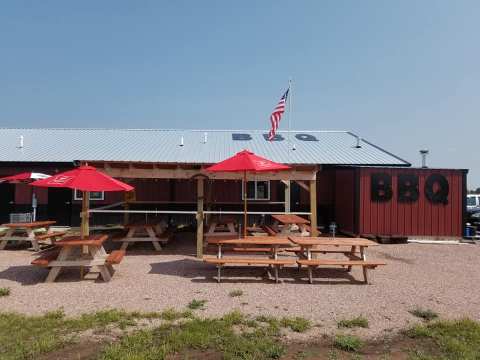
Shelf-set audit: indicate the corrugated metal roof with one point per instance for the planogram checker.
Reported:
(151, 145)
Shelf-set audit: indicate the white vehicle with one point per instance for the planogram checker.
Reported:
(473, 202)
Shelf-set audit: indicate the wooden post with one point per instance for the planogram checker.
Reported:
(200, 200)
(287, 195)
(245, 204)
(126, 207)
(313, 208)
(84, 227)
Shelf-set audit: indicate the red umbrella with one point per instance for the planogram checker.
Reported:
(85, 178)
(246, 161)
(26, 177)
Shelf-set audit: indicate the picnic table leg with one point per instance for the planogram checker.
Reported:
(352, 252)
(106, 276)
(310, 275)
(31, 238)
(152, 235)
(219, 253)
(219, 272)
(130, 234)
(276, 273)
(4, 242)
(54, 271)
(365, 269)
(231, 227)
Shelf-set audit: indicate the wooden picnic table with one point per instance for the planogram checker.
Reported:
(141, 232)
(221, 226)
(345, 246)
(290, 219)
(28, 229)
(70, 252)
(272, 245)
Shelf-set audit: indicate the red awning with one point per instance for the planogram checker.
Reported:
(84, 178)
(247, 161)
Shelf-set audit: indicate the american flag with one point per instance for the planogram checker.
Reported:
(277, 115)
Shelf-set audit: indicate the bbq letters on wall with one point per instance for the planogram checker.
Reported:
(436, 188)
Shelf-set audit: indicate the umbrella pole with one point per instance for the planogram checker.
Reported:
(84, 228)
(245, 204)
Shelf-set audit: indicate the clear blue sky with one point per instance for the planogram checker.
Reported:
(403, 74)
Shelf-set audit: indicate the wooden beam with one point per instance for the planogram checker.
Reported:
(313, 208)
(200, 201)
(179, 173)
(302, 185)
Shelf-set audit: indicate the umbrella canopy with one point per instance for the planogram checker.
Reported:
(84, 178)
(247, 161)
(24, 177)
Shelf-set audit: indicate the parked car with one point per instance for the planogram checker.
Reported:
(473, 203)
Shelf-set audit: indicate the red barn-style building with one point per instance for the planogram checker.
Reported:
(336, 177)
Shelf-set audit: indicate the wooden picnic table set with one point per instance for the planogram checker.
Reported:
(354, 249)
(78, 252)
(22, 232)
(145, 232)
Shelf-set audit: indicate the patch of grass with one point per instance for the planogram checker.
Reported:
(197, 334)
(348, 343)
(297, 324)
(454, 339)
(359, 321)
(196, 304)
(235, 293)
(425, 314)
(172, 314)
(4, 291)
(26, 337)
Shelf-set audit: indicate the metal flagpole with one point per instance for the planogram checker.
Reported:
(290, 112)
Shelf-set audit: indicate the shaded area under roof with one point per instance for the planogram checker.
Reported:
(163, 146)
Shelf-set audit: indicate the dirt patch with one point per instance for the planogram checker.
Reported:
(87, 350)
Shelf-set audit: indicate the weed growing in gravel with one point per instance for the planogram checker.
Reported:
(235, 293)
(456, 339)
(425, 314)
(348, 343)
(4, 291)
(197, 334)
(297, 324)
(197, 304)
(359, 321)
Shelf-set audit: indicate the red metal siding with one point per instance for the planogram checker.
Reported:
(345, 199)
(422, 218)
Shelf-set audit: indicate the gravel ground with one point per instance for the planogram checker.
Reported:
(443, 278)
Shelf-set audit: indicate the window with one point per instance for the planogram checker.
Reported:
(94, 195)
(258, 190)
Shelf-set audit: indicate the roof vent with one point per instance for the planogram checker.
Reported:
(205, 136)
(359, 139)
(423, 154)
(20, 145)
(181, 140)
(294, 147)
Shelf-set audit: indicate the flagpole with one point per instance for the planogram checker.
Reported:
(290, 112)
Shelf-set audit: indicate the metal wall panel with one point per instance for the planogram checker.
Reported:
(422, 217)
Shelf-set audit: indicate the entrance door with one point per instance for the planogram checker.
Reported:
(60, 206)
(7, 202)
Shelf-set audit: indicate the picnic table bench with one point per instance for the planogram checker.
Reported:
(336, 245)
(265, 244)
(27, 231)
(68, 253)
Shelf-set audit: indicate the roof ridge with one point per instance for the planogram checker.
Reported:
(170, 129)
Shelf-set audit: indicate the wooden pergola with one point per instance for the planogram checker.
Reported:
(304, 175)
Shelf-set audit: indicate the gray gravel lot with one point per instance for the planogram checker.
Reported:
(444, 278)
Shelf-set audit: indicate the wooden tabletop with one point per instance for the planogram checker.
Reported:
(92, 240)
(325, 241)
(35, 224)
(252, 240)
(290, 219)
